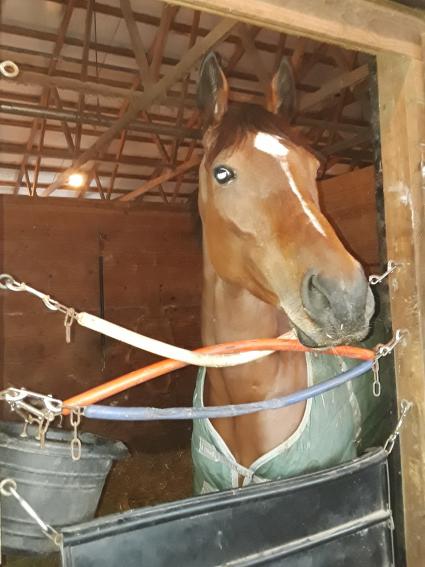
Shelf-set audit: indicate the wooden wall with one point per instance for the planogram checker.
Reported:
(349, 202)
(152, 284)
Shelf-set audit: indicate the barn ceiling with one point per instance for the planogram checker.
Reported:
(108, 89)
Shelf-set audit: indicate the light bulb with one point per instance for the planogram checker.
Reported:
(76, 179)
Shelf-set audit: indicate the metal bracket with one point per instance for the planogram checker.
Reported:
(375, 279)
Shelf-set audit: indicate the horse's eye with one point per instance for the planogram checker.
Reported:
(224, 174)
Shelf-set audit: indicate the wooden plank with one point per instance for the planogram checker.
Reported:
(334, 86)
(154, 93)
(402, 107)
(348, 201)
(167, 176)
(359, 24)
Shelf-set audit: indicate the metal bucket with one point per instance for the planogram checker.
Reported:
(62, 491)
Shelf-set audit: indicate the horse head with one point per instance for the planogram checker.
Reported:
(262, 225)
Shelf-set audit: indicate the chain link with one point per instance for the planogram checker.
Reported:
(375, 279)
(75, 419)
(8, 487)
(376, 386)
(405, 407)
(381, 351)
(69, 319)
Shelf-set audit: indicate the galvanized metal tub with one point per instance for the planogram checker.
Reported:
(62, 491)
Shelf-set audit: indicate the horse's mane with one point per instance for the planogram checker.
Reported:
(240, 120)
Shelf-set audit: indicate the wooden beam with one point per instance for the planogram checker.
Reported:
(330, 125)
(169, 12)
(84, 69)
(150, 20)
(155, 92)
(402, 107)
(65, 127)
(346, 143)
(368, 26)
(155, 52)
(45, 94)
(257, 63)
(87, 131)
(136, 42)
(167, 176)
(27, 181)
(184, 88)
(33, 191)
(334, 86)
(298, 55)
(99, 185)
(55, 170)
(21, 55)
(173, 98)
(62, 153)
(90, 191)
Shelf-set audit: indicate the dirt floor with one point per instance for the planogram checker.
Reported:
(142, 479)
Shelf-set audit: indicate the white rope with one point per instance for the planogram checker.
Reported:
(132, 338)
(169, 351)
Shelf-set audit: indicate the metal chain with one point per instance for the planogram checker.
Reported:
(375, 279)
(376, 386)
(8, 487)
(384, 350)
(8, 282)
(75, 419)
(405, 407)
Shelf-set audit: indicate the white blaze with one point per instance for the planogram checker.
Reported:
(273, 146)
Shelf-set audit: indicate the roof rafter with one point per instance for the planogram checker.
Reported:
(154, 93)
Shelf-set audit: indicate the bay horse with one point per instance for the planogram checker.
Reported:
(272, 263)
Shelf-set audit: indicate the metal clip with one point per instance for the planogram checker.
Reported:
(405, 407)
(376, 279)
(75, 419)
(387, 348)
(43, 426)
(8, 487)
(9, 282)
(69, 319)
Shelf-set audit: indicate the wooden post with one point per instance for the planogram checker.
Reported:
(401, 99)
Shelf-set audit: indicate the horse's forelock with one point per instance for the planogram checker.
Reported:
(239, 121)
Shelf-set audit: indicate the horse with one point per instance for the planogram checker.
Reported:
(272, 263)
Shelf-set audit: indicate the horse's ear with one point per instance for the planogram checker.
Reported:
(212, 93)
(283, 93)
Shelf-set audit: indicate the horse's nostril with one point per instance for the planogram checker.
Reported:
(316, 298)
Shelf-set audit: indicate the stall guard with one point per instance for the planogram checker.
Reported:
(341, 516)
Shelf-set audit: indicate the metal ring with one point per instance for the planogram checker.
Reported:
(76, 449)
(4, 483)
(8, 279)
(9, 69)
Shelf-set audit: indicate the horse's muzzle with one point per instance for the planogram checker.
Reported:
(340, 309)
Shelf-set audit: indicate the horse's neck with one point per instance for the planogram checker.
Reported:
(231, 313)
